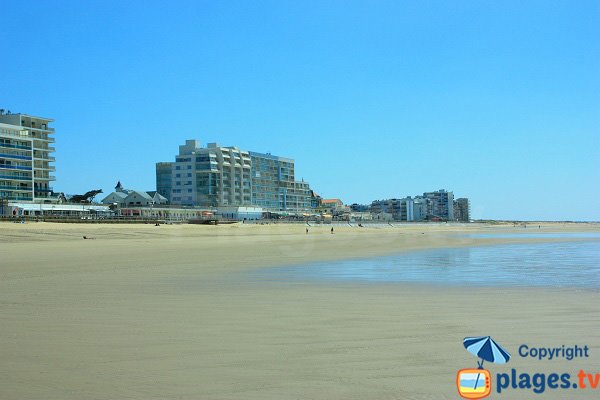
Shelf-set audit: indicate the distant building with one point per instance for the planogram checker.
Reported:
(440, 205)
(274, 186)
(405, 209)
(462, 210)
(419, 208)
(315, 200)
(218, 176)
(115, 198)
(359, 207)
(359, 216)
(164, 171)
(382, 217)
(26, 160)
(388, 206)
(131, 198)
(332, 205)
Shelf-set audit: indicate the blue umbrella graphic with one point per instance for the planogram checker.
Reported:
(485, 348)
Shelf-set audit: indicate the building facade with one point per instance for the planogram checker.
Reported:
(164, 171)
(26, 160)
(274, 184)
(333, 206)
(387, 206)
(462, 210)
(272, 176)
(218, 176)
(405, 209)
(440, 205)
(420, 206)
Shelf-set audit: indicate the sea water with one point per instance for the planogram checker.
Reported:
(556, 264)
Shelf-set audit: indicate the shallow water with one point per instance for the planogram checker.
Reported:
(562, 264)
(536, 235)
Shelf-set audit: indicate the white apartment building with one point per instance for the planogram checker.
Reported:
(26, 161)
(211, 176)
(218, 176)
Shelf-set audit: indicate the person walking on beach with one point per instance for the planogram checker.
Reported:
(332, 230)
(307, 231)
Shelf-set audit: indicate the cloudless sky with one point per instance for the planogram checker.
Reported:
(498, 101)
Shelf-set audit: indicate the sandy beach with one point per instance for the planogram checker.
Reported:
(146, 312)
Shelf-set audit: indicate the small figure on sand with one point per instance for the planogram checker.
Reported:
(307, 231)
(332, 230)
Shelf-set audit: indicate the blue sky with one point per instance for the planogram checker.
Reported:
(496, 101)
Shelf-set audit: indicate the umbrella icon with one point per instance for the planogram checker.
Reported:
(485, 348)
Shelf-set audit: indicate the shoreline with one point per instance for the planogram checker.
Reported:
(243, 246)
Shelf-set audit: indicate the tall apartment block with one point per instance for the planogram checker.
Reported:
(209, 176)
(441, 205)
(164, 179)
(462, 210)
(215, 176)
(274, 186)
(26, 163)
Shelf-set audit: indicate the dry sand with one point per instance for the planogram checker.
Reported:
(147, 312)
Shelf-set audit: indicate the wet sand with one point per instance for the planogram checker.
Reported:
(147, 312)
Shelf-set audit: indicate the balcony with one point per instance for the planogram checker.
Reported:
(43, 157)
(48, 168)
(15, 156)
(15, 178)
(45, 178)
(12, 187)
(14, 146)
(44, 140)
(37, 126)
(4, 166)
(21, 198)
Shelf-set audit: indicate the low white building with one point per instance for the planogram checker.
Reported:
(18, 209)
(115, 197)
(129, 198)
(240, 213)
